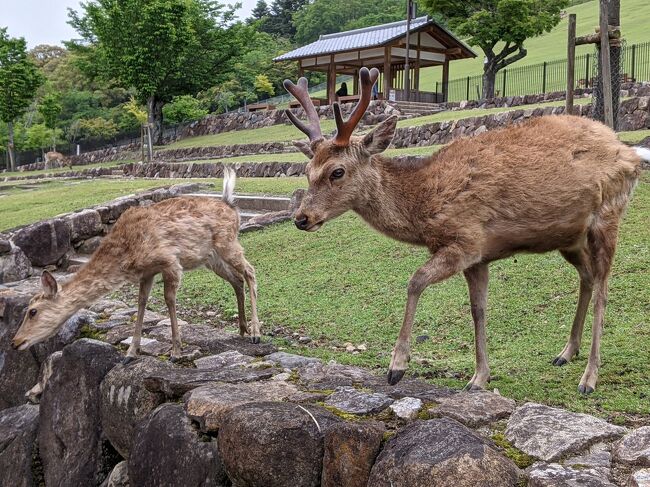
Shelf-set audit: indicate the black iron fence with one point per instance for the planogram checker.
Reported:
(550, 76)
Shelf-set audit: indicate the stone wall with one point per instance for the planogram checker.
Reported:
(238, 413)
(213, 170)
(50, 243)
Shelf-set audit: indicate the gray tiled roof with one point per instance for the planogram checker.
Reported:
(357, 39)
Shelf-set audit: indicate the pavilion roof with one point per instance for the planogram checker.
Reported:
(376, 36)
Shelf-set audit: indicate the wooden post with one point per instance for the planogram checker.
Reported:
(445, 79)
(387, 73)
(571, 62)
(301, 70)
(605, 66)
(417, 72)
(355, 82)
(331, 81)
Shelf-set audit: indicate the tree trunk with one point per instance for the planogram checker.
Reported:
(489, 80)
(10, 147)
(154, 110)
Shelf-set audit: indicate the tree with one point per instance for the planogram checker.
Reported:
(263, 86)
(328, 16)
(260, 11)
(40, 136)
(19, 80)
(161, 48)
(183, 109)
(279, 21)
(503, 23)
(50, 108)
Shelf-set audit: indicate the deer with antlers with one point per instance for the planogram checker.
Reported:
(551, 183)
(167, 238)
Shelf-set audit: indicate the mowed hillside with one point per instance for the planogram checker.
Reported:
(635, 26)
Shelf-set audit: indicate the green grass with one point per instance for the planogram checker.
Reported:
(284, 133)
(635, 18)
(62, 169)
(348, 283)
(299, 157)
(21, 207)
(634, 136)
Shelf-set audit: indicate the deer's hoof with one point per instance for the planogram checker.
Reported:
(394, 376)
(129, 359)
(559, 361)
(471, 387)
(583, 389)
(255, 340)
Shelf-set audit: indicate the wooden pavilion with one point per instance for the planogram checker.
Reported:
(384, 47)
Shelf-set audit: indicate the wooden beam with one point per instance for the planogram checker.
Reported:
(387, 73)
(571, 61)
(301, 70)
(331, 81)
(605, 66)
(417, 70)
(445, 80)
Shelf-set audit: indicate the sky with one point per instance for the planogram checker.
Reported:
(45, 21)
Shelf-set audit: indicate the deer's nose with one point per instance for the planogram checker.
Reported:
(302, 222)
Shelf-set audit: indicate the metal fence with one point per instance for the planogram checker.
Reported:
(550, 76)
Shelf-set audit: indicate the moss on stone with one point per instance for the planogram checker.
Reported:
(88, 332)
(521, 459)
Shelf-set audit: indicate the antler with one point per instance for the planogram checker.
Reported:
(344, 129)
(301, 94)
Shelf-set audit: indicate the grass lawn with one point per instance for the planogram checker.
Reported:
(21, 207)
(348, 283)
(283, 133)
(299, 157)
(634, 136)
(62, 169)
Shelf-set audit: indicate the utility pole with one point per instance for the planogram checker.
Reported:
(407, 75)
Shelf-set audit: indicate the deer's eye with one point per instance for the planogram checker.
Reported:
(32, 312)
(337, 173)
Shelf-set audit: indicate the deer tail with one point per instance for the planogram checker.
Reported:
(229, 177)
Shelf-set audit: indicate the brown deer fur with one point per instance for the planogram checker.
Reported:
(167, 238)
(552, 183)
(58, 157)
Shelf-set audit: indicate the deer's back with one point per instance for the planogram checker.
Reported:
(178, 230)
(535, 186)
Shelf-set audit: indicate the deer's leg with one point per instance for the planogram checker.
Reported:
(443, 264)
(580, 260)
(477, 281)
(233, 255)
(143, 296)
(236, 280)
(251, 281)
(602, 246)
(171, 281)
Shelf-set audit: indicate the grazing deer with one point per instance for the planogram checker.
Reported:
(552, 183)
(58, 157)
(169, 237)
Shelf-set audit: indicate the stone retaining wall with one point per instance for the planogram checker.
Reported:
(213, 170)
(243, 414)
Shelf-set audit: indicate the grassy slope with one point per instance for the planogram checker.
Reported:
(635, 17)
(347, 283)
(279, 133)
(20, 207)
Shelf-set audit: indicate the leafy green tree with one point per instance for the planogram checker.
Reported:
(40, 136)
(263, 86)
(279, 21)
(161, 48)
(50, 109)
(97, 127)
(260, 12)
(328, 16)
(499, 28)
(184, 108)
(19, 80)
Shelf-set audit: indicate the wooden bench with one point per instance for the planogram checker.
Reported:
(260, 106)
(296, 104)
(349, 98)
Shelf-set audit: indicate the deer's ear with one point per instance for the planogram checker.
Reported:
(49, 284)
(380, 138)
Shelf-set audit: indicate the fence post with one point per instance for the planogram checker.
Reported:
(504, 82)
(632, 74)
(587, 72)
(467, 88)
(544, 78)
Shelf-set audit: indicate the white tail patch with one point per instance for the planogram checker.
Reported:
(229, 177)
(643, 153)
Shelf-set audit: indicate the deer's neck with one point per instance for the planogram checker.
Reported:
(387, 201)
(94, 280)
